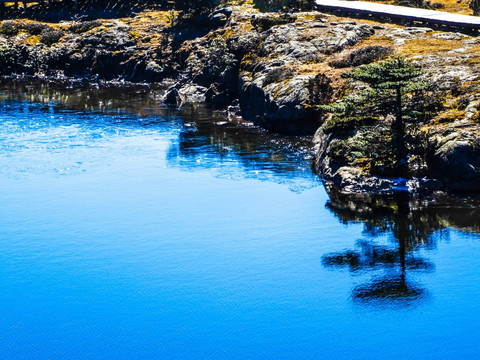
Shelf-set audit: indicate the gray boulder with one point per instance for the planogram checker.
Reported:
(455, 156)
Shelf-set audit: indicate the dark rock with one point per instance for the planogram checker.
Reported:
(218, 98)
(153, 72)
(218, 20)
(173, 98)
(234, 109)
(455, 156)
(424, 185)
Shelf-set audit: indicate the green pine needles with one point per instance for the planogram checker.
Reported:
(394, 97)
(387, 74)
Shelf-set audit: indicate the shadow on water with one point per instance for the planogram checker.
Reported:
(412, 227)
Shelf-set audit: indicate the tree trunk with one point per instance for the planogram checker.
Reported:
(398, 127)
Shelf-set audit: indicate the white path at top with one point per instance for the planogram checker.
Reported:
(416, 14)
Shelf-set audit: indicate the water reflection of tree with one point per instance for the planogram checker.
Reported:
(412, 225)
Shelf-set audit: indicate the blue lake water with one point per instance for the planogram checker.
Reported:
(130, 231)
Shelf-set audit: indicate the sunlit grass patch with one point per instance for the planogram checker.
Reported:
(428, 46)
(453, 6)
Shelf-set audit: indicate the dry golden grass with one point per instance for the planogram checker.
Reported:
(33, 40)
(147, 18)
(472, 55)
(375, 40)
(428, 46)
(323, 68)
(449, 116)
(452, 6)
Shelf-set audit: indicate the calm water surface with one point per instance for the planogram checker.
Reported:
(129, 231)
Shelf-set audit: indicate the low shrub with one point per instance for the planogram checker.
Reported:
(279, 74)
(411, 3)
(362, 56)
(275, 5)
(320, 90)
(51, 36)
(339, 150)
(9, 28)
(84, 26)
(344, 125)
(12, 28)
(437, 5)
(263, 23)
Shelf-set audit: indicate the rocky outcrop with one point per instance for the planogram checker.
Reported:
(274, 93)
(274, 69)
(455, 155)
(253, 57)
(452, 163)
(351, 179)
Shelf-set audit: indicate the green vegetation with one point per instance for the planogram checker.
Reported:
(411, 3)
(263, 23)
(59, 9)
(51, 36)
(362, 56)
(394, 98)
(11, 28)
(84, 26)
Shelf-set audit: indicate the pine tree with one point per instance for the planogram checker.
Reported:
(390, 84)
(392, 75)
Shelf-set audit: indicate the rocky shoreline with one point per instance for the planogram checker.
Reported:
(275, 69)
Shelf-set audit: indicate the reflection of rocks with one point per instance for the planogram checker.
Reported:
(173, 98)
(81, 96)
(209, 136)
(206, 137)
(411, 224)
(424, 217)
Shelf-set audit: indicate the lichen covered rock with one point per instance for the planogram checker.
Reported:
(455, 155)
